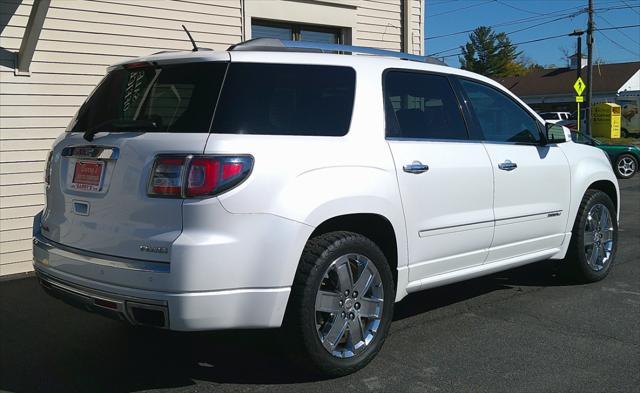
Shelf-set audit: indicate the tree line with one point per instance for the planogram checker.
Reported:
(494, 55)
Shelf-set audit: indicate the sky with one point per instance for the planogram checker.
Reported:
(445, 17)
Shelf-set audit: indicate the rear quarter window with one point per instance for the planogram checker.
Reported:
(170, 98)
(285, 99)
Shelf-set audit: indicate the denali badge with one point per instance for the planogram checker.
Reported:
(158, 250)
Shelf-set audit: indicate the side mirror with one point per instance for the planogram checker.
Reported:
(556, 133)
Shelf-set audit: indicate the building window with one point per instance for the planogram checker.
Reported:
(295, 32)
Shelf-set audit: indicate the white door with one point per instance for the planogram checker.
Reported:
(446, 181)
(531, 180)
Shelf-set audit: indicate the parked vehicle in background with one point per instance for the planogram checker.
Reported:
(267, 186)
(554, 117)
(630, 112)
(572, 122)
(624, 158)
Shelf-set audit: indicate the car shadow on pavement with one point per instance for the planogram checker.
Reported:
(46, 345)
(541, 274)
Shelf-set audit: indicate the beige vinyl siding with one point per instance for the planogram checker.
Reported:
(379, 24)
(80, 38)
(417, 27)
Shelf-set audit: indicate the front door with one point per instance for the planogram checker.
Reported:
(532, 180)
(446, 181)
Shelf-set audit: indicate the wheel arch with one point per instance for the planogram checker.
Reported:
(373, 226)
(608, 188)
(383, 230)
(590, 169)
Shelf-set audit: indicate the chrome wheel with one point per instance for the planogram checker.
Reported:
(349, 305)
(598, 237)
(626, 166)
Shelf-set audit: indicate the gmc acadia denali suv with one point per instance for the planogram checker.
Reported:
(269, 186)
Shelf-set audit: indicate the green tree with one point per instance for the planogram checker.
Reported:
(494, 55)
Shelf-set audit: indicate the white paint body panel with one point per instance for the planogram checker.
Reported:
(530, 202)
(236, 255)
(449, 208)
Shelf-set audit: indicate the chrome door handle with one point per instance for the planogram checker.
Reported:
(415, 167)
(507, 165)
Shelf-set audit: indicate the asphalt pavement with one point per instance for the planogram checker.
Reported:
(524, 330)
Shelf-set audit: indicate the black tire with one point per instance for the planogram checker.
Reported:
(619, 162)
(300, 324)
(624, 133)
(576, 261)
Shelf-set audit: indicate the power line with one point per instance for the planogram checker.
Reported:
(574, 11)
(461, 8)
(618, 45)
(514, 31)
(518, 8)
(545, 38)
(546, 22)
(604, 9)
(572, 15)
(618, 30)
(630, 7)
(618, 27)
(514, 44)
(519, 21)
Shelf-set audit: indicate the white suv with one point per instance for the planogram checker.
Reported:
(276, 187)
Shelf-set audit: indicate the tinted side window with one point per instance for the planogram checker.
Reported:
(421, 106)
(285, 99)
(501, 119)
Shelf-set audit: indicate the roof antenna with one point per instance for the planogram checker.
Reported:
(195, 47)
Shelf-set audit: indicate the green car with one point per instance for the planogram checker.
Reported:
(624, 158)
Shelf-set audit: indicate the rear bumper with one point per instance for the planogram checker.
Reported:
(186, 311)
(144, 312)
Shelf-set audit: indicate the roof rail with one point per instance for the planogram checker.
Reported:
(276, 45)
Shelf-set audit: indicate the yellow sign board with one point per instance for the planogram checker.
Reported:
(606, 120)
(579, 99)
(579, 86)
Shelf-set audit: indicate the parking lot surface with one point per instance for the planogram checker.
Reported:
(524, 330)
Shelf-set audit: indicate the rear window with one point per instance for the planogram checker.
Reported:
(257, 98)
(171, 98)
(285, 99)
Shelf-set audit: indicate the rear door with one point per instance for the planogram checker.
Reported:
(97, 196)
(531, 180)
(445, 180)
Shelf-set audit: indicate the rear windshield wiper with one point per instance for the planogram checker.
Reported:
(116, 125)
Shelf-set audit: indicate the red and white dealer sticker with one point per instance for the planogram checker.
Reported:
(87, 175)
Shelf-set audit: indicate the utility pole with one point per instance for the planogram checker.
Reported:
(589, 70)
(579, 54)
(578, 33)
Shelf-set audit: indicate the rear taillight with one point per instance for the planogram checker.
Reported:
(197, 176)
(166, 177)
(47, 170)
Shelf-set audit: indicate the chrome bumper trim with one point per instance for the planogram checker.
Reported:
(99, 259)
(94, 300)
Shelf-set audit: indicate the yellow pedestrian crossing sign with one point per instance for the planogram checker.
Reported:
(579, 86)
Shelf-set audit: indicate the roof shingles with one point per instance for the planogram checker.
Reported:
(607, 78)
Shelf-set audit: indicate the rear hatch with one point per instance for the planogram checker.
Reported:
(97, 192)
